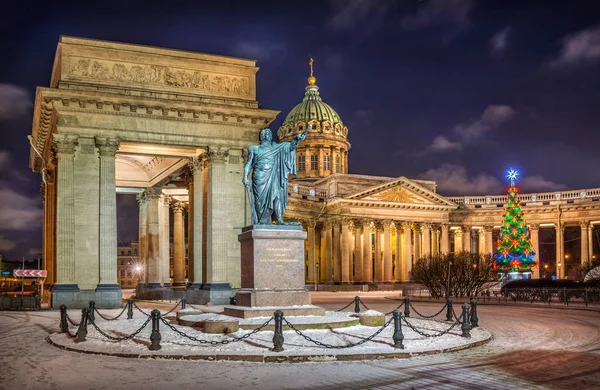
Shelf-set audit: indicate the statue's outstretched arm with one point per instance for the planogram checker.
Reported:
(300, 137)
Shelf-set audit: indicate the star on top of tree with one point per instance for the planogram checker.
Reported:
(512, 176)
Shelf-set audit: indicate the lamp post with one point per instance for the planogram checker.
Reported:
(558, 273)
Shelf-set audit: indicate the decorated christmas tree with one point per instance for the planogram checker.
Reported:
(514, 253)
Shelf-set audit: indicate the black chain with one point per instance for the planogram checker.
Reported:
(120, 338)
(213, 342)
(398, 308)
(361, 301)
(421, 315)
(175, 307)
(456, 317)
(192, 306)
(110, 319)
(429, 334)
(71, 321)
(71, 335)
(140, 310)
(345, 307)
(307, 338)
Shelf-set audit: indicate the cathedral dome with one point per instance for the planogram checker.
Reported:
(325, 149)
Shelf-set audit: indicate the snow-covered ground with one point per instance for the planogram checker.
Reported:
(261, 343)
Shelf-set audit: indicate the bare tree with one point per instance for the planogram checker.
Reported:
(459, 274)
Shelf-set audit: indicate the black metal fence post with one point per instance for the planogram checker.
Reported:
(183, 302)
(398, 337)
(449, 309)
(474, 318)
(357, 304)
(130, 309)
(82, 331)
(278, 336)
(406, 308)
(92, 309)
(466, 326)
(155, 335)
(64, 326)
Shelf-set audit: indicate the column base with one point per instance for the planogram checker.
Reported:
(108, 287)
(78, 299)
(195, 286)
(216, 293)
(63, 287)
(178, 286)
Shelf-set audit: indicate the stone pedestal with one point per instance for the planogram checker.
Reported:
(272, 269)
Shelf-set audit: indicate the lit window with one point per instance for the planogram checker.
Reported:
(314, 162)
(301, 163)
(326, 163)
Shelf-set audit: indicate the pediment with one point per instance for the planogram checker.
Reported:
(402, 191)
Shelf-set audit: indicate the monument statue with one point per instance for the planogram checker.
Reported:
(271, 163)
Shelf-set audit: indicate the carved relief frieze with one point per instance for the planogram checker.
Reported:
(159, 75)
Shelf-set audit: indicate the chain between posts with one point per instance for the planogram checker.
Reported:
(140, 310)
(213, 342)
(345, 307)
(362, 303)
(398, 308)
(110, 319)
(428, 334)
(175, 307)
(307, 338)
(120, 338)
(423, 316)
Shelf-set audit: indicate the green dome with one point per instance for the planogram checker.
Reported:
(312, 108)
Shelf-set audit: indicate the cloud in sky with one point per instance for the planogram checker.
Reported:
(579, 48)
(469, 132)
(14, 101)
(349, 14)
(499, 41)
(18, 212)
(453, 179)
(263, 51)
(439, 12)
(492, 117)
(6, 244)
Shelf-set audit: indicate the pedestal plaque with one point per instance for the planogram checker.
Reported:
(273, 271)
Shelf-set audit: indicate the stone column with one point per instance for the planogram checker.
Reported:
(333, 155)
(467, 238)
(387, 251)
(346, 250)
(426, 229)
(337, 258)
(195, 217)
(64, 145)
(328, 252)
(585, 254)
(417, 242)
(535, 244)
(154, 250)
(397, 274)
(367, 252)
(435, 247)
(590, 240)
(216, 235)
(378, 277)
(321, 162)
(49, 234)
(481, 241)
(164, 208)
(178, 246)
(358, 251)
(310, 230)
(142, 200)
(458, 240)
(108, 214)
(445, 241)
(322, 262)
(408, 255)
(560, 250)
(489, 239)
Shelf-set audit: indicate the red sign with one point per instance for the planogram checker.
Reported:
(30, 273)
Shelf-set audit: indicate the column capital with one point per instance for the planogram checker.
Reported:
(177, 206)
(584, 224)
(65, 144)
(197, 163)
(534, 226)
(559, 226)
(489, 228)
(153, 192)
(426, 226)
(378, 224)
(107, 146)
(142, 198)
(386, 223)
(217, 154)
(458, 232)
(481, 232)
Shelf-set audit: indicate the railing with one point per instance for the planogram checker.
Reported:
(307, 191)
(525, 198)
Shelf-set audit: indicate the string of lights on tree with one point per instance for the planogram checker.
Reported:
(514, 252)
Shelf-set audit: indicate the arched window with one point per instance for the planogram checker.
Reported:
(314, 162)
(301, 163)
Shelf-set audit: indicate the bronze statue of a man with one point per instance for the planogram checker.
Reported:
(271, 163)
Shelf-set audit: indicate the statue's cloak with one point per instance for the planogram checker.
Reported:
(270, 178)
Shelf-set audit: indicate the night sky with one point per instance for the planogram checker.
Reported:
(451, 90)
